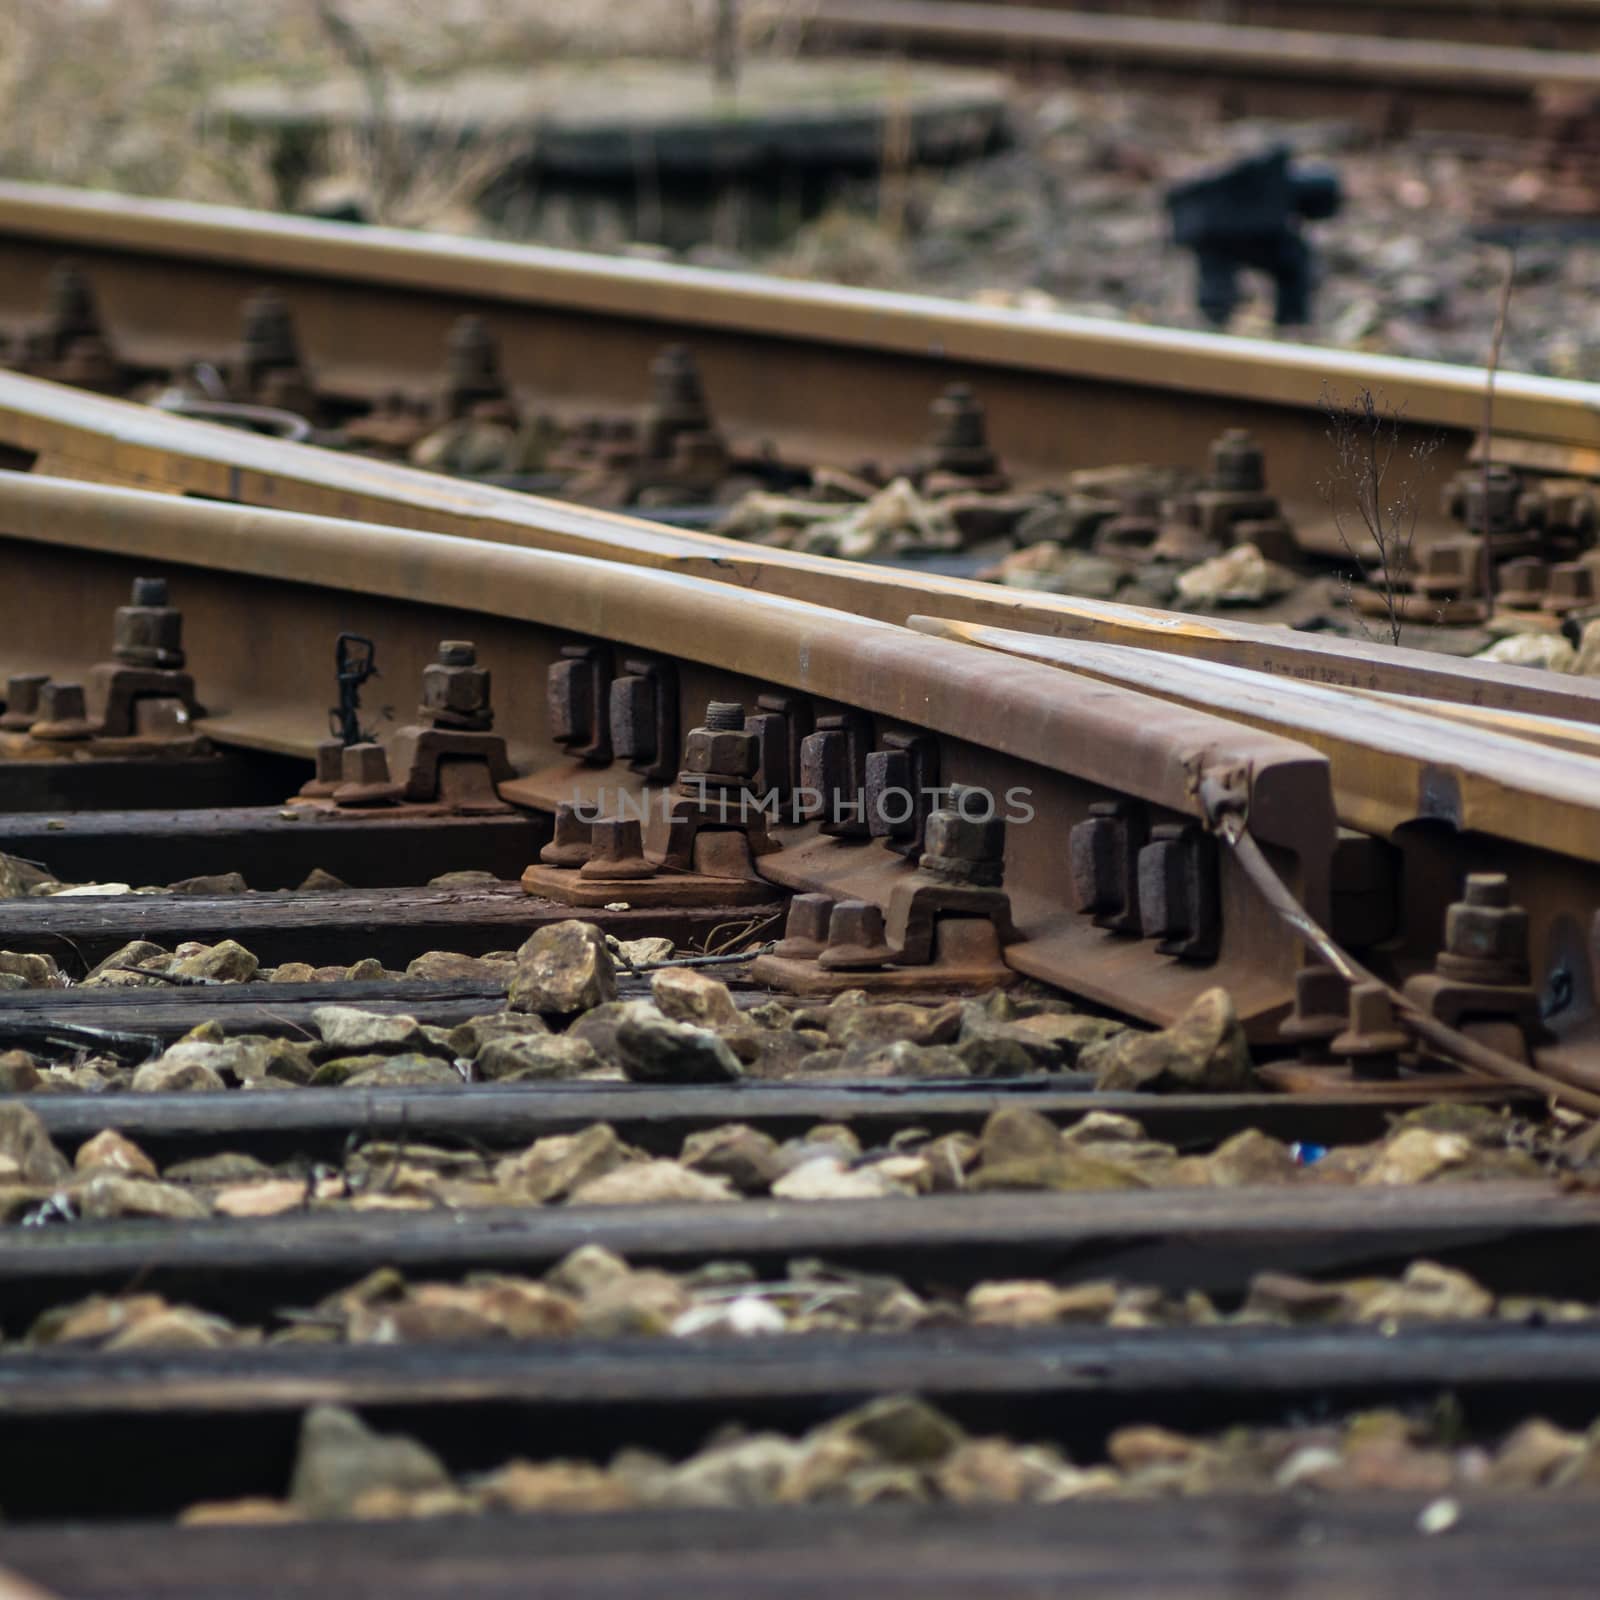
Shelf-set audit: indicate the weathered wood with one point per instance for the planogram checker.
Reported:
(1287, 1547)
(232, 778)
(274, 847)
(32, 1018)
(78, 1424)
(319, 1121)
(393, 925)
(1516, 1237)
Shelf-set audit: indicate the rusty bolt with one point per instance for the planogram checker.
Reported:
(1321, 1006)
(22, 699)
(63, 713)
(330, 759)
(1178, 898)
(329, 773)
(891, 805)
(364, 763)
(1571, 587)
(472, 367)
(455, 689)
(1238, 465)
(569, 846)
(616, 850)
(825, 769)
(960, 442)
(1522, 582)
(855, 937)
(1451, 567)
(720, 749)
(964, 841)
(1371, 1041)
(678, 402)
(633, 717)
(805, 930)
(723, 716)
(1485, 931)
(70, 312)
(148, 632)
(268, 339)
(569, 690)
(1097, 854)
(1465, 500)
(364, 771)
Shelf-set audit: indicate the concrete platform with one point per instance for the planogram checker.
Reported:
(605, 121)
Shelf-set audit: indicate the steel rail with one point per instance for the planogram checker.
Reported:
(1559, 24)
(1285, 52)
(1392, 768)
(1444, 81)
(265, 593)
(374, 306)
(1450, 797)
(76, 435)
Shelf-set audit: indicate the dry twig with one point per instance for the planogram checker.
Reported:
(1367, 439)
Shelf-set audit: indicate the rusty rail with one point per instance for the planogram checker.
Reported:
(75, 435)
(1541, 24)
(373, 308)
(1447, 797)
(1439, 80)
(288, 584)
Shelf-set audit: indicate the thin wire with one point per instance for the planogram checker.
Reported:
(1445, 1040)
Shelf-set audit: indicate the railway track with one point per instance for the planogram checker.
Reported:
(1466, 68)
(643, 388)
(1338, 1280)
(369, 314)
(1539, 24)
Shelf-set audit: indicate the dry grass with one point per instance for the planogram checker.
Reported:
(112, 93)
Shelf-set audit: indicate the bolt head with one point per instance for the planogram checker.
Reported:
(1487, 889)
(330, 761)
(850, 920)
(22, 690)
(1097, 854)
(365, 763)
(633, 718)
(959, 838)
(1487, 933)
(568, 689)
(809, 917)
(59, 701)
(452, 688)
(1320, 992)
(722, 751)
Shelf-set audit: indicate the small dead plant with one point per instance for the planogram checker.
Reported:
(1374, 493)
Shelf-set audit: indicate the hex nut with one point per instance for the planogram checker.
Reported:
(720, 752)
(959, 838)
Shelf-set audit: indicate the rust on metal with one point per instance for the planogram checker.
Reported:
(95, 439)
(1444, 81)
(1052, 743)
(578, 335)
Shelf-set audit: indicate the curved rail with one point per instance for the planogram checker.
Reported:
(71, 434)
(374, 306)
